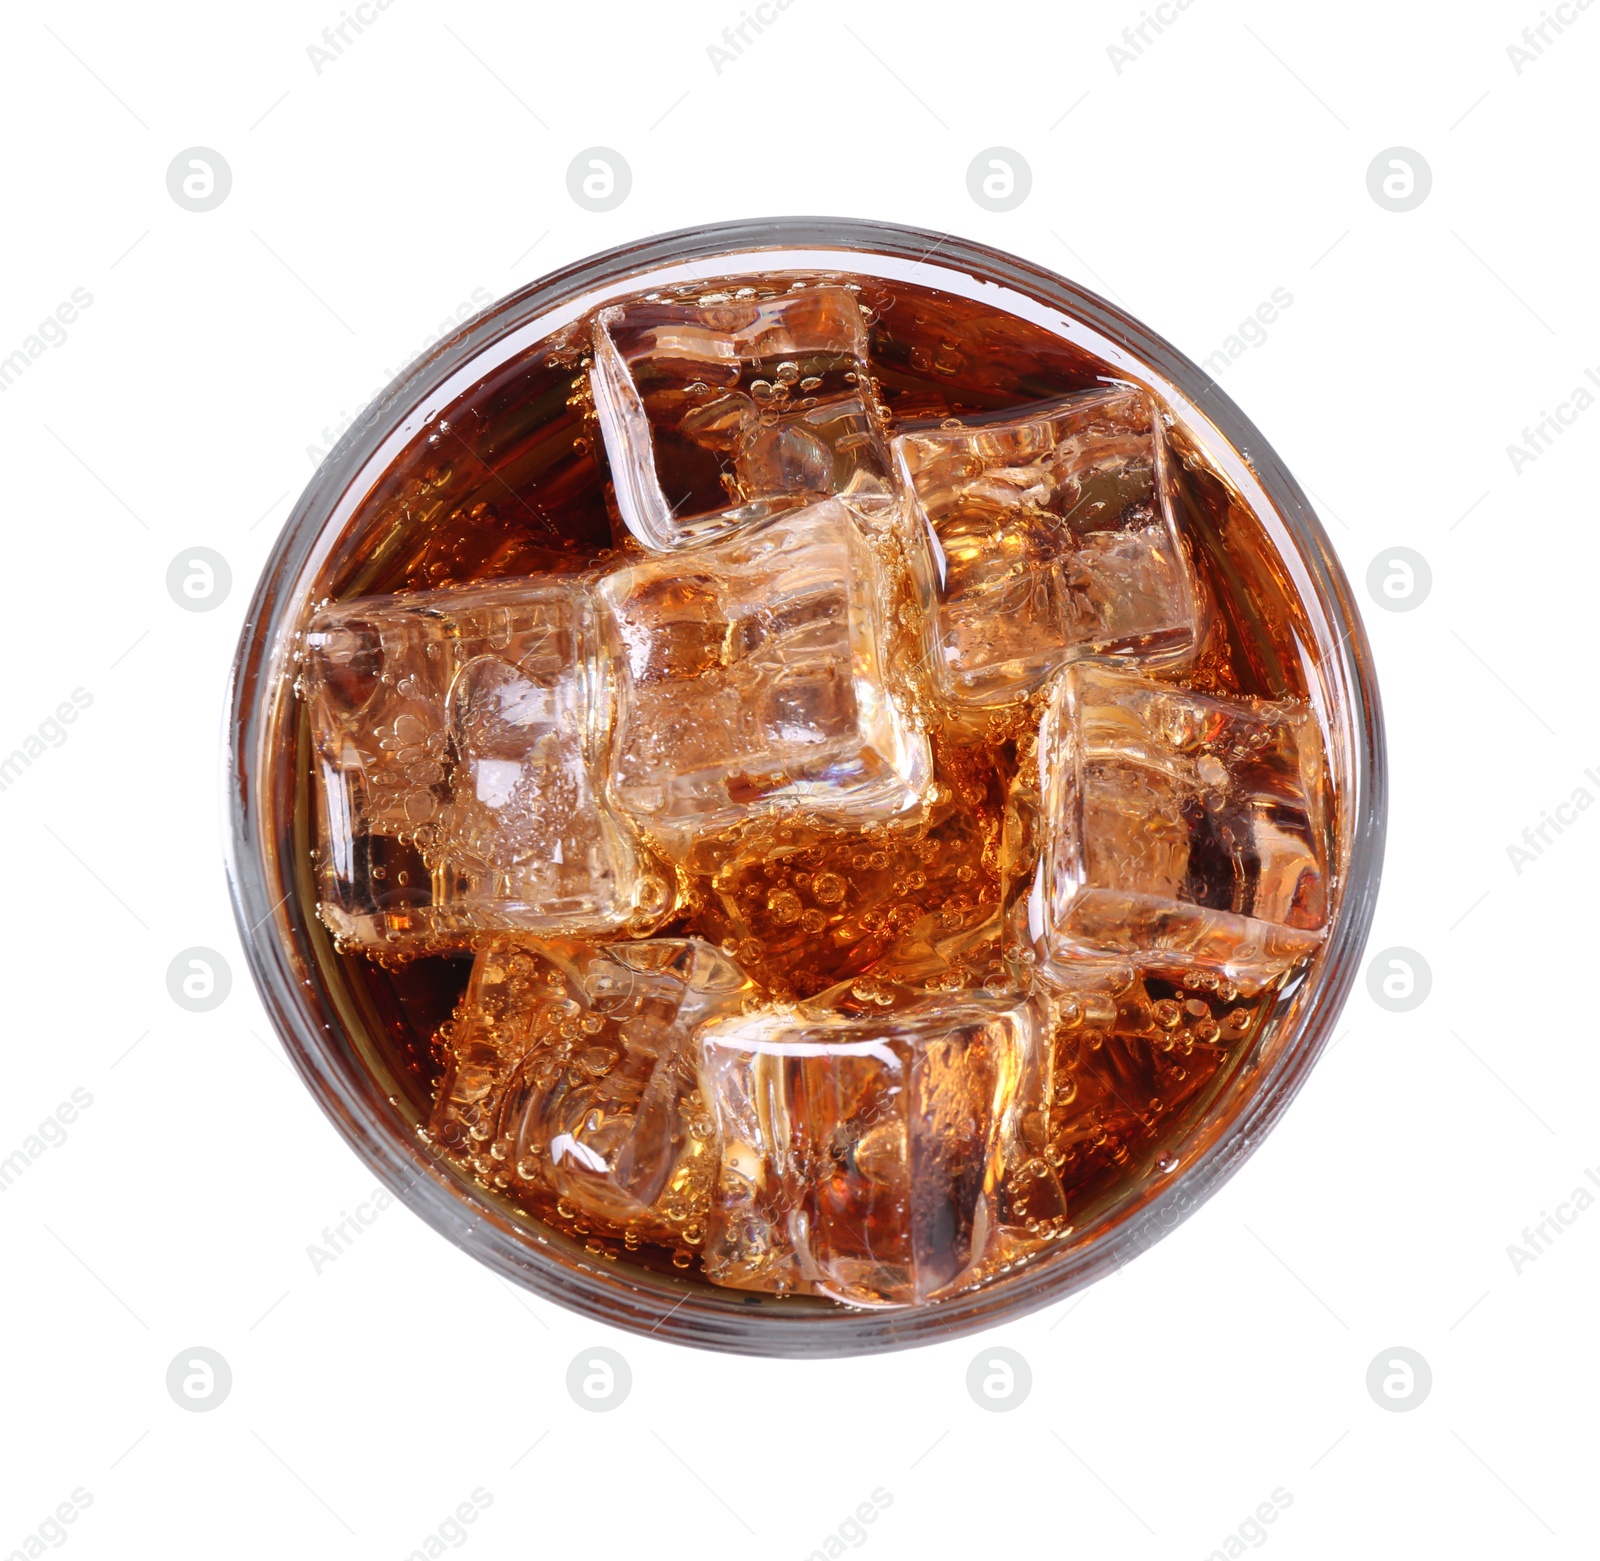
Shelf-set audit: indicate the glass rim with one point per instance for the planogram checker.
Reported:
(636, 1299)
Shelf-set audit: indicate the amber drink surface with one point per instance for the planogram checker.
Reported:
(815, 785)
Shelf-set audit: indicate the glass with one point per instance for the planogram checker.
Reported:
(483, 421)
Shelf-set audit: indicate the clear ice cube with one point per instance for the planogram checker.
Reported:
(1050, 535)
(454, 735)
(575, 1061)
(750, 676)
(717, 413)
(1182, 829)
(881, 1161)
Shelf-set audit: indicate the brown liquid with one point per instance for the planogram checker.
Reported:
(512, 480)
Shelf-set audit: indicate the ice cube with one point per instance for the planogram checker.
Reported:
(1050, 535)
(1183, 830)
(750, 675)
(455, 734)
(573, 1061)
(717, 413)
(880, 1161)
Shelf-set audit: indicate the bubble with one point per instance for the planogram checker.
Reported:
(784, 906)
(829, 888)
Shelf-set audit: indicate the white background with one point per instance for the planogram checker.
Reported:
(369, 202)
